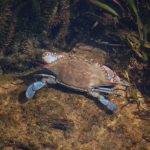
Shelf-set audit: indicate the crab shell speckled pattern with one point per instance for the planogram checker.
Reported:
(79, 73)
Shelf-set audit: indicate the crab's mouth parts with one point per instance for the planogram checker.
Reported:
(40, 63)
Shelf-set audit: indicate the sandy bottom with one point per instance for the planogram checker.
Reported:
(63, 120)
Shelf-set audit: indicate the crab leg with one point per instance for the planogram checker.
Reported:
(45, 75)
(31, 90)
(104, 101)
(107, 103)
(124, 83)
(105, 90)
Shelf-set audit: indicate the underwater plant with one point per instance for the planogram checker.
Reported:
(135, 14)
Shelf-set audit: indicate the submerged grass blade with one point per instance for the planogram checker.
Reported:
(117, 2)
(104, 6)
(132, 4)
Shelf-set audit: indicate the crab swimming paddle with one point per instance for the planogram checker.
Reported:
(107, 103)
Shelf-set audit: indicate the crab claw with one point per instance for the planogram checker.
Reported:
(107, 103)
(31, 90)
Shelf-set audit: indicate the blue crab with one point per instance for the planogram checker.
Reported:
(75, 73)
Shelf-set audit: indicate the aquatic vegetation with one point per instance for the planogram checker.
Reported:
(25, 22)
(104, 6)
(142, 30)
(135, 12)
(58, 24)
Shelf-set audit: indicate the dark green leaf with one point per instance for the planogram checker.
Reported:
(132, 4)
(104, 6)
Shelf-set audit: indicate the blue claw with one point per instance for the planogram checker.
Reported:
(107, 103)
(31, 90)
